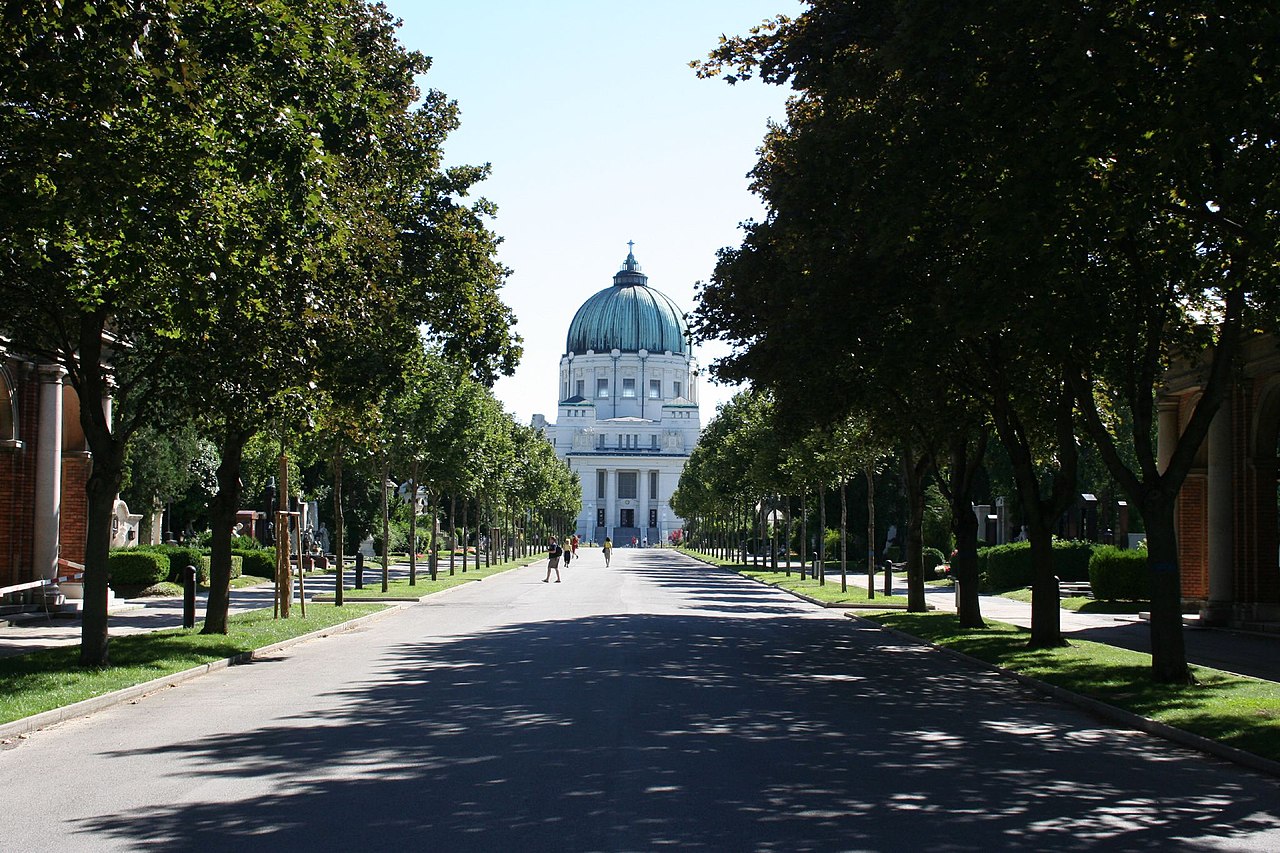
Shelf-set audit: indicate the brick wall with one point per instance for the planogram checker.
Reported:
(75, 506)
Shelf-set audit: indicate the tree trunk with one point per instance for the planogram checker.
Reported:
(844, 536)
(386, 525)
(413, 525)
(222, 518)
(101, 490)
(1168, 648)
(871, 532)
(338, 592)
(964, 524)
(804, 529)
(453, 530)
(1046, 606)
(821, 570)
(913, 471)
(786, 540)
(432, 558)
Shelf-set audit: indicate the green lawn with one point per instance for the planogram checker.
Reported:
(1241, 712)
(48, 679)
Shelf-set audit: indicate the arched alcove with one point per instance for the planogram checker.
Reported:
(8, 411)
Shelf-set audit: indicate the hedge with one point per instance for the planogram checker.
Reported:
(932, 558)
(258, 562)
(135, 567)
(1119, 574)
(1009, 566)
(178, 556)
(237, 568)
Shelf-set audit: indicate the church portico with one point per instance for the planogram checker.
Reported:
(628, 412)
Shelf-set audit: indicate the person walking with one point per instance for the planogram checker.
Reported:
(608, 550)
(573, 543)
(554, 551)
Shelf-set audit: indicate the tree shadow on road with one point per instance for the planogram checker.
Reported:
(691, 730)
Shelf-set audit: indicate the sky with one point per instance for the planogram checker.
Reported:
(598, 132)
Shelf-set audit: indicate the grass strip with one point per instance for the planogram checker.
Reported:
(401, 588)
(52, 678)
(1083, 604)
(1235, 710)
(828, 593)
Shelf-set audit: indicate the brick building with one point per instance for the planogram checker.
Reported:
(1228, 539)
(44, 466)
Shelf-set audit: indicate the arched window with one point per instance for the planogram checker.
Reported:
(8, 411)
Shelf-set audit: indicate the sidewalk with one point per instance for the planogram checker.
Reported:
(29, 632)
(1244, 653)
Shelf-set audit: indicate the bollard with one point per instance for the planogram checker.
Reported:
(359, 570)
(189, 597)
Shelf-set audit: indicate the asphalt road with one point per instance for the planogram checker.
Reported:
(655, 704)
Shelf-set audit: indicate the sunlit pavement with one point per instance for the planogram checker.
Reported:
(656, 703)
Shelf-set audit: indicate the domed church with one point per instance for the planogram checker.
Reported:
(628, 412)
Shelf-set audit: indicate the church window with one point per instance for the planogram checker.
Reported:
(629, 388)
(653, 441)
(602, 387)
(655, 389)
(602, 485)
(653, 485)
(581, 388)
(627, 485)
(675, 389)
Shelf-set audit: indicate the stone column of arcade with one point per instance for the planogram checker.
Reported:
(48, 498)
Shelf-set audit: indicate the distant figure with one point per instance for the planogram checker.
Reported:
(644, 543)
(573, 546)
(554, 551)
(608, 549)
(568, 553)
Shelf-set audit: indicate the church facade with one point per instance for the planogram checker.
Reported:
(628, 418)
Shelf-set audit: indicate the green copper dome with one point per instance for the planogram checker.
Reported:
(629, 316)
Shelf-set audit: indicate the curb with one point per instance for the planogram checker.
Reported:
(1111, 713)
(85, 707)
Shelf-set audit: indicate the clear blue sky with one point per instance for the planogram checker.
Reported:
(598, 133)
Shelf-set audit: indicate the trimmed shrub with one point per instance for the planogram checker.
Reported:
(244, 543)
(1071, 559)
(1009, 566)
(258, 562)
(135, 567)
(237, 567)
(931, 559)
(1119, 574)
(1005, 566)
(179, 558)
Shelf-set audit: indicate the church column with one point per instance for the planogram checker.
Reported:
(1221, 529)
(611, 505)
(642, 502)
(48, 498)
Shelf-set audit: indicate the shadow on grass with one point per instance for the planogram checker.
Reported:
(1241, 712)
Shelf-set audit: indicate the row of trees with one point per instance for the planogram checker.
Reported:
(1000, 221)
(235, 214)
